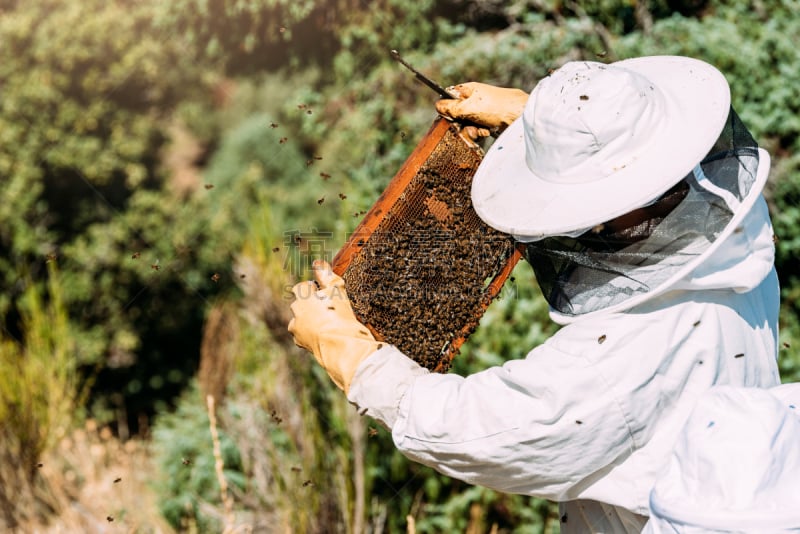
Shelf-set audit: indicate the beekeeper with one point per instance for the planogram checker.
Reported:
(735, 467)
(637, 190)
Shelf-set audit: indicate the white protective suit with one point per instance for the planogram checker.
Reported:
(736, 466)
(589, 418)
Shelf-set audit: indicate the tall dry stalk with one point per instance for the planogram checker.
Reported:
(219, 466)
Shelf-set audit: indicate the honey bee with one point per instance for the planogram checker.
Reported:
(584, 97)
(117, 480)
(325, 175)
(372, 432)
(51, 257)
(601, 339)
(136, 255)
(273, 125)
(186, 461)
(786, 345)
(308, 482)
(696, 323)
(109, 518)
(215, 277)
(578, 422)
(740, 355)
(40, 465)
(309, 112)
(302, 106)
(274, 416)
(342, 196)
(155, 266)
(321, 200)
(282, 29)
(282, 140)
(209, 186)
(296, 469)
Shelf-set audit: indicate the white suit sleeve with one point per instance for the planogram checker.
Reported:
(538, 426)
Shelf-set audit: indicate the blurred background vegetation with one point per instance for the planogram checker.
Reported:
(158, 163)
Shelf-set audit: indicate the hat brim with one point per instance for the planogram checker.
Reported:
(514, 200)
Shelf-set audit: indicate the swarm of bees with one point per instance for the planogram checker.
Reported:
(436, 261)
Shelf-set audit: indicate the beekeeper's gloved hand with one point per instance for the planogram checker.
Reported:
(491, 107)
(324, 323)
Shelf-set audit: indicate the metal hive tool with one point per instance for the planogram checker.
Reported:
(421, 268)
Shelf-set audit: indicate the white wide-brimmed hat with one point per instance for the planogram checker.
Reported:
(596, 141)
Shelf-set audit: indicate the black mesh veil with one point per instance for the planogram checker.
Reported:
(635, 253)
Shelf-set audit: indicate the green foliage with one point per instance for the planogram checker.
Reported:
(184, 452)
(39, 385)
(88, 90)
(40, 396)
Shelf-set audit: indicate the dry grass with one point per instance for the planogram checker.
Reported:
(98, 484)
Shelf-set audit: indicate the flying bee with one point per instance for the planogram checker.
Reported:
(209, 186)
(109, 518)
(276, 249)
(342, 196)
(321, 200)
(282, 140)
(186, 461)
(155, 266)
(325, 175)
(372, 432)
(308, 482)
(117, 480)
(601, 339)
(215, 277)
(273, 125)
(136, 255)
(296, 469)
(584, 97)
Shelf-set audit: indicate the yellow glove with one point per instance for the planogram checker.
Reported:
(489, 106)
(324, 323)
